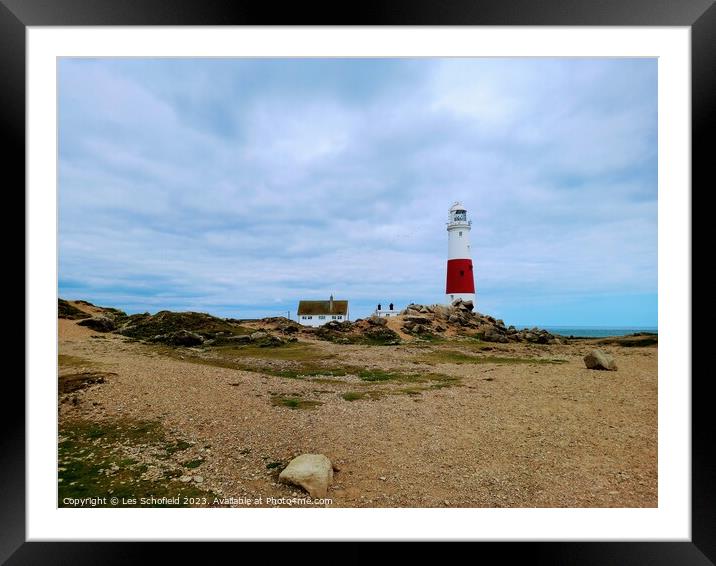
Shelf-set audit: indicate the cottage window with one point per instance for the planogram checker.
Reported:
(321, 317)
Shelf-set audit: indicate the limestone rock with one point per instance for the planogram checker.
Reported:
(597, 359)
(312, 472)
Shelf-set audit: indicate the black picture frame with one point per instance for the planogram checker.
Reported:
(699, 15)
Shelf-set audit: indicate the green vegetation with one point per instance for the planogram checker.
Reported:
(431, 338)
(93, 462)
(294, 402)
(354, 395)
(362, 395)
(406, 377)
(458, 357)
(194, 463)
(638, 340)
(377, 375)
(295, 351)
(177, 446)
(371, 336)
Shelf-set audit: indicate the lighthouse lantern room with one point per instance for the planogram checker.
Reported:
(460, 279)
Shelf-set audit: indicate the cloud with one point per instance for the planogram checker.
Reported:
(241, 186)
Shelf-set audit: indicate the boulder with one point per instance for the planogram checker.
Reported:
(493, 335)
(259, 335)
(597, 359)
(378, 320)
(99, 323)
(312, 472)
(440, 311)
(467, 305)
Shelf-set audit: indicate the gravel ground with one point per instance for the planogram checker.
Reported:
(508, 435)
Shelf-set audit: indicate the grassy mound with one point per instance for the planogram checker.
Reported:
(146, 326)
(65, 309)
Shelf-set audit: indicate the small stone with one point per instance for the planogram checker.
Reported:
(199, 479)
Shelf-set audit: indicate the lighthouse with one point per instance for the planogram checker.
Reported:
(460, 280)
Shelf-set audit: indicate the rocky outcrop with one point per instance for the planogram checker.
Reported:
(460, 318)
(596, 359)
(312, 472)
(373, 330)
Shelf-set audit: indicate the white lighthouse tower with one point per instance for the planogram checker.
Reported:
(460, 280)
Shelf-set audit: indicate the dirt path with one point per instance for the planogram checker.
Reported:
(507, 435)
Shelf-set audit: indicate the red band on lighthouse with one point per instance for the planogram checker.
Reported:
(459, 277)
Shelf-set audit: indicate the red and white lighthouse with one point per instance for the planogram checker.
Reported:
(460, 280)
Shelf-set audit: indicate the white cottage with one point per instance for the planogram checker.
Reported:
(318, 313)
(381, 311)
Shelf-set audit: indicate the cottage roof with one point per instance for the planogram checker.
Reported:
(322, 307)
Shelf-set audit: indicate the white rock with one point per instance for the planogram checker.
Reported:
(312, 472)
(597, 359)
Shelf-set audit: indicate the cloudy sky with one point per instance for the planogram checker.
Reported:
(238, 186)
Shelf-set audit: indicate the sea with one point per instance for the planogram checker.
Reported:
(597, 331)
